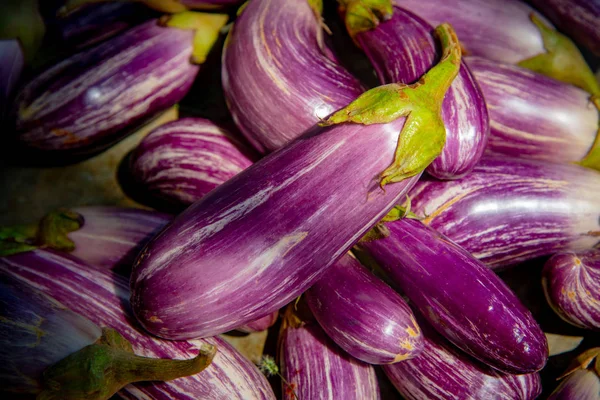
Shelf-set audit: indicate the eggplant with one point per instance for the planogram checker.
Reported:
(534, 116)
(102, 296)
(313, 367)
(401, 49)
(571, 283)
(582, 379)
(512, 210)
(83, 104)
(260, 324)
(443, 372)
(266, 74)
(363, 315)
(11, 67)
(462, 299)
(512, 32)
(183, 160)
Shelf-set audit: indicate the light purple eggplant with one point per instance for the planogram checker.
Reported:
(313, 367)
(462, 299)
(580, 385)
(363, 315)
(260, 324)
(534, 116)
(102, 296)
(183, 160)
(11, 66)
(571, 283)
(511, 210)
(442, 372)
(271, 96)
(402, 49)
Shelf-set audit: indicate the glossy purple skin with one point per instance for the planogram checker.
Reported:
(534, 116)
(35, 332)
(277, 79)
(496, 29)
(84, 103)
(462, 299)
(579, 19)
(260, 324)
(508, 211)
(581, 385)
(102, 296)
(11, 66)
(363, 315)
(571, 284)
(442, 372)
(183, 160)
(316, 368)
(402, 49)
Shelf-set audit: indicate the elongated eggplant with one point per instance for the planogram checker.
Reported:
(260, 324)
(83, 104)
(363, 315)
(534, 116)
(461, 298)
(402, 49)
(271, 96)
(313, 367)
(442, 372)
(102, 296)
(571, 284)
(11, 66)
(185, 159)
(511, 210)
(582, 378)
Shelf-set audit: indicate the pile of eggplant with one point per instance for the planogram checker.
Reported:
(383, 165)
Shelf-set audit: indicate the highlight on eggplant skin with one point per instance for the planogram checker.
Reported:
(183, 160)
(364, 316)
(571, 283)
(510, 210)
(534, 116)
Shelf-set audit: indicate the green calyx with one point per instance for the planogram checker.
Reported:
(592, 158)
(423, 136)
(21, 20)
(588, 359)
(98, 371)
(562, 61)
(206, 26)
(364, 15)
(380, 231)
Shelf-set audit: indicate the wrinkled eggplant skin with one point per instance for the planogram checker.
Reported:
(571, 284)
(466, 302)
(534, 116)
(260, 324)
(102, 296)
(508, 211)
(581, 385)
(402, 49)
(363, 315)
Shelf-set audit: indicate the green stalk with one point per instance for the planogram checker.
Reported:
(364, 15)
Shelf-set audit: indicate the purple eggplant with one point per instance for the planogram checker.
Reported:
(363, 315)
(83, 104)
(11, 66)
(313, 367)
(511, 210)
(102, 296)
(442, 372)
(582, 379)
(402, 49)
(260, 324)
(271, 96)
(461, 298)
(183, 160)
(534, 116)
(571, 284)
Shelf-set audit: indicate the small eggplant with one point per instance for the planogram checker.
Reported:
(582, 379)
(363, 315)
(571, 283)
(260, 324)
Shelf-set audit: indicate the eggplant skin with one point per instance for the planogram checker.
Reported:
(508, 210)
(580, 385)
(11, 66)
(571, 283)
(260, 324)
(102, 296)
(83, 104)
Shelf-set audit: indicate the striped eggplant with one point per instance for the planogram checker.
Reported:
(271, 96)
(442, 372)
(582, 379)
(462, 299)
(577, 18)
(364, 316)
(260, 324)
(402, 49)
(571, 283)
(183, 160)
(167, 6)
(11, 66)
(511, 210)
(102, 296)
(85, 103)
(313, 367)
(534, 116)
(509, 31)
